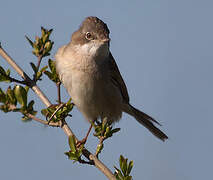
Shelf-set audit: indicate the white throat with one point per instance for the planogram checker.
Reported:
(93, 49)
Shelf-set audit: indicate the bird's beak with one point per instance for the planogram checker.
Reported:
(106, 40)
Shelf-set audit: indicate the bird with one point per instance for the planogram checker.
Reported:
(91, 76)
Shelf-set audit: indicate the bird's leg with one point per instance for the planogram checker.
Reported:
(83, 141)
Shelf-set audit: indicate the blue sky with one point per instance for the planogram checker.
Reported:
(164, 52)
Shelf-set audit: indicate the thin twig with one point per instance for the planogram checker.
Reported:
(64, 126)
(39, 61)
(58, 84)
(53, 124)
(17, 81)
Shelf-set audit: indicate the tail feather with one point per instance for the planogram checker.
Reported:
(146, 121)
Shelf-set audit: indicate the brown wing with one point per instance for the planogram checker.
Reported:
(117, 78)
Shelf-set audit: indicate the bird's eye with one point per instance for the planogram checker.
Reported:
(88, 36)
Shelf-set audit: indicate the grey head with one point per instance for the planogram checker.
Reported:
(91, 29)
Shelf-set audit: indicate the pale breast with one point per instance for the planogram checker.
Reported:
(88, 82)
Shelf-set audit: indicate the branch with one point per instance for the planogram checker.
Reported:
(64, 126)
(53, 124)
(30, 82)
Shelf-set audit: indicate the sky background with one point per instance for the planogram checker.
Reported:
(164, 49)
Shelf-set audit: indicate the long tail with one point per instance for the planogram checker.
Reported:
(145, 120)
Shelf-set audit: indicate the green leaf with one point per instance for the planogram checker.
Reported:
(50, 31)
(21, 95)
(25, 118)
(98, 134)
(73, 156)
(128, 178)
(129, 167)
(38, 75)
(48, 46)
(11, 96)
(37, 42)
(52, 75)
(99, 148)
(34, 67)
(4, 108)
(27, 88)
(36, 51)
(115, 130)
(45, 38)
(107, 131)
(28, 39)
(49, 74)
(80, 149)
(43, 31)
(43, 69)
(2, 71)
(46, 54)
(4, 75)
(67, 153)
(121, 161)
(118, 173)
(44, 112)
(51, 65)
(30, 105)
(8, 72)
(104, 123)
(4, 79)
(72, 143)
(124, 167)
(2, 96)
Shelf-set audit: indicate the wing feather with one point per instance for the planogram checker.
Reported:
(117, 79)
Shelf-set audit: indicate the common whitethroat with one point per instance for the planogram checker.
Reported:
(89, 73)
